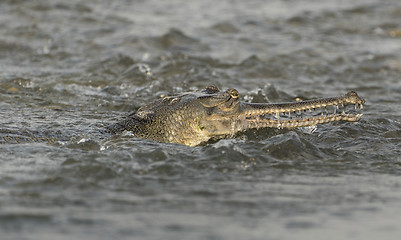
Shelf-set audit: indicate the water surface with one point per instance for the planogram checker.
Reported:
(69, 68)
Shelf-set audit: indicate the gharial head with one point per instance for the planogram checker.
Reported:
(189, 118)
(195, 117)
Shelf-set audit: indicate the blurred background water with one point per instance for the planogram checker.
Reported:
(67, 68)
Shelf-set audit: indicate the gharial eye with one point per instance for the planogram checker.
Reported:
(233, 93)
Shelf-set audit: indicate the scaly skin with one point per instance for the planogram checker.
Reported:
(195, 117)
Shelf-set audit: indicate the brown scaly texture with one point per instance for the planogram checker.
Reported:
(195, 117)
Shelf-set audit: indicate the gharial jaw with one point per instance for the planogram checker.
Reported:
(284, 115)
(296, 114)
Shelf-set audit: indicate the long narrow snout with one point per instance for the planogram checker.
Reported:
(303, 113)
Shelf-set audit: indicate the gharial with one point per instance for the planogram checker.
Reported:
(195, 117)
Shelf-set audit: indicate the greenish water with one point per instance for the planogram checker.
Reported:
(69, 68)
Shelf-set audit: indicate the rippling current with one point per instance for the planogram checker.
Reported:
(68, 68)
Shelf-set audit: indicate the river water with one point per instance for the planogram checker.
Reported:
(68, 68)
